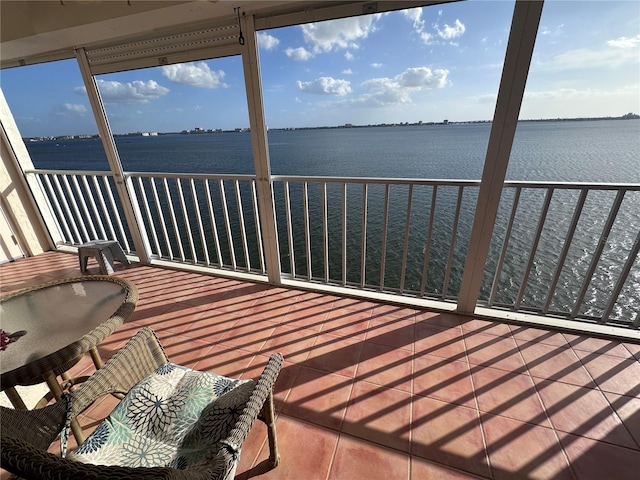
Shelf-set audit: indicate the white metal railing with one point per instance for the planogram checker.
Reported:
(567, 250)
(377, 224)
(81, 201)
(605, 236)
(210, 220)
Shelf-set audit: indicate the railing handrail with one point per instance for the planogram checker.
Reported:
(45, 171)
(107, 173)
(377, 180)
(572, 185)
(370, 180)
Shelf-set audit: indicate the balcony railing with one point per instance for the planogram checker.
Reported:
(565, 250)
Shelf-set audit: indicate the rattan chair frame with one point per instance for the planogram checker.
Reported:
(26, 435)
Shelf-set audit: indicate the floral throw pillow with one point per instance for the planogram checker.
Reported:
(176, 417)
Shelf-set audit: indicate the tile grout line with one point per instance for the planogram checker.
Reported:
(412, 393)
(606, 399)
(552, 427)
(478, 413)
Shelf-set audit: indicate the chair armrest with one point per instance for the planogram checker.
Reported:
(260, 394)
(38, 427)
(140, 357)
(20, 458)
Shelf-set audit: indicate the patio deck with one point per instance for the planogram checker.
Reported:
(372, 391)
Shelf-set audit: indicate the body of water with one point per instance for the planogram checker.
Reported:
(603, 151)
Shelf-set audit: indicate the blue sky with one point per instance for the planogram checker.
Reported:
(425, 64)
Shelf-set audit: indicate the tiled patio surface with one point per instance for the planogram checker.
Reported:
(371, 391)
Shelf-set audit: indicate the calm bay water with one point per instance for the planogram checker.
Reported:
(589, 151)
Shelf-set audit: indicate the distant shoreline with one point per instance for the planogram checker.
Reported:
(199, 131)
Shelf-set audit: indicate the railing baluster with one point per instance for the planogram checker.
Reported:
(633, 253)
(344, 234)
(452, 245)
(565, 249)
(287, 202)
(325, 232)
(163, 225)
(65, 206)
(214, 226)
(256, 217)
(103, 204)
(363, 261)
(505, 246)
(83, 205)
(383, 248)
(56, 203)
(227, 223)
(174, 221)
(147, 210)
(307, 234)
(187, 223)
(94, 208)
(114, 206)
(534, 247)
(596, 255)
(427, 247)
(47, 200)
(243, 230)
(77, 218)
(405, 249)
(196, 207)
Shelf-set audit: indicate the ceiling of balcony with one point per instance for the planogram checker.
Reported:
(32, 31)
(37, 28)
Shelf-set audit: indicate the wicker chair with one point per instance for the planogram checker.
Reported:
(26, 435)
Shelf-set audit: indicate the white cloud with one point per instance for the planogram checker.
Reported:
(137, 91)
(584, 58)
(397, 90)
(348, 71)
(338, 34)
(267, 42)
(573, 102)
(376, 65)
(194, 74)
(415, 15)
(426, 37)
(72, 109)
(299, 53)
(326, 86)
(488, 98)
(348, 55)
(624, 42)
(574, 93)
(423, 77)
(447, 32)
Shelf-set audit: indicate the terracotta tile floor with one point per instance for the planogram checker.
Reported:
(374, 391)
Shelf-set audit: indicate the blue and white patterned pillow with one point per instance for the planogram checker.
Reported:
(175, 417)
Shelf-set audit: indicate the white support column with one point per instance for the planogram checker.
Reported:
(250, 62)
(130, 205)
(524, 29)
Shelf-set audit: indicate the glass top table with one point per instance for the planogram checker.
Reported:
(53, 324)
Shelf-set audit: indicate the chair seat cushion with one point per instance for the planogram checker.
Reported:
(176, 417)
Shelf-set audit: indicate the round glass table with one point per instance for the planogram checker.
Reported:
(49, 327)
